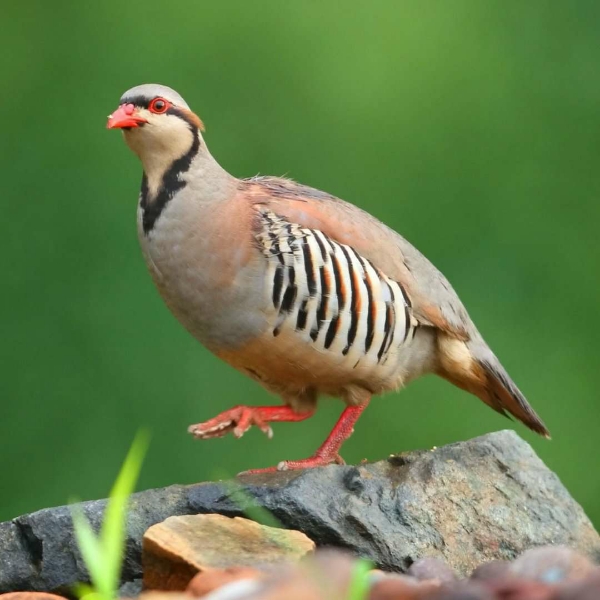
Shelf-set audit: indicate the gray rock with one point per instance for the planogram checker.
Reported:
(467, 503)
(38, 551)
(131, 589)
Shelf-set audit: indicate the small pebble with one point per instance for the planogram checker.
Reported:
(586, 589)
(207, 581)
(520, 589)
(552, 564)
(335, 566)
(30, 596)
(461, 590)
(431, 568)
(401, 587)
(494, 569)
(241, 589)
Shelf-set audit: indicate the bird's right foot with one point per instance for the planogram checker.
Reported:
(239, 419)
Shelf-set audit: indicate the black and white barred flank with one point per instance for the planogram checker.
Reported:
(331, 295)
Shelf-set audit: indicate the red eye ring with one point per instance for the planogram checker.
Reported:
(159, 105)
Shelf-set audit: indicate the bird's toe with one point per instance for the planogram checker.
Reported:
(205, 431)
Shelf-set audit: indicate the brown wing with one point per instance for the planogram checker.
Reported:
(464, 357)
(434, 302)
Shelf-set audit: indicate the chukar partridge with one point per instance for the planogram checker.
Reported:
(301, 291)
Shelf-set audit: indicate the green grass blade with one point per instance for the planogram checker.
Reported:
(360, 581)
(90, 548)
(112, 536)
(83, 590)
(249, 506)
(245, 501)
(103, 554)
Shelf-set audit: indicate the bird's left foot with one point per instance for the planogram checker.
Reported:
(318, 460)
(236, 420)
(239, 419)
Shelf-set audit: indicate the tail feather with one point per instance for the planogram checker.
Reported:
(502, 391)
(472, 366)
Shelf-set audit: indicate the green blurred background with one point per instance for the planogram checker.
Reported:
(469, 126)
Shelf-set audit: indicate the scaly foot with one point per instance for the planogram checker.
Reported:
(318, 460)
(240, 418)
(328, 453)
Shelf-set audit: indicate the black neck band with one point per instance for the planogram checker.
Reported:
(171, 183)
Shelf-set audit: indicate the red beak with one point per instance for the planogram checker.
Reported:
(124, 117)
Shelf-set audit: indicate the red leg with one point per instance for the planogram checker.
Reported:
(328, 452)
(240, 418)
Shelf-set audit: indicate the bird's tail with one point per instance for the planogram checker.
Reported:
(472, 366)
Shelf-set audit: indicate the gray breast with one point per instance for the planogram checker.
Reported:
(218, 302)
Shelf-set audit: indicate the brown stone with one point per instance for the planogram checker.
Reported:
(401, 587)
(323, 576)
(552, 564)
(586, 589)
(431, 568)
(297, 588)
(493, 569)
(521, 589)
(174, 551)
(207, 581)
(163, 596)
(327, 576)
(331, 568)
(30, 596)
(461, 590)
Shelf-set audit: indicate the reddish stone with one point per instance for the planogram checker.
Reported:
(323, 576)
(552, 564)
(30, 596)
(292, 589)
(461, 590)
(207, 581)
(431, 568)
(163, 596)
(401, 587)
(586, 589)
(175, 550)
(494, 569)
(521, 589)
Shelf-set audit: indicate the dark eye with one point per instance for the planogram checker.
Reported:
(158, 105)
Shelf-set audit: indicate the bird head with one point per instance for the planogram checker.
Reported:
(157, 124)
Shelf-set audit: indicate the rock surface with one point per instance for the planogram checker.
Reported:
(466, 503)
(174, 551)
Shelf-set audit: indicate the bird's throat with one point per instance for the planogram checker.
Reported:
(161, 181)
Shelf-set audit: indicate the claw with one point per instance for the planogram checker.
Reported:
(259, 471)
(241, 418)
(202, 432)
(238, 420)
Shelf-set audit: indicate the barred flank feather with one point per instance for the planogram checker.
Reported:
(331, 295)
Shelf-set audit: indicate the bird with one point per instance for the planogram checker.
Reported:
(303, 292)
